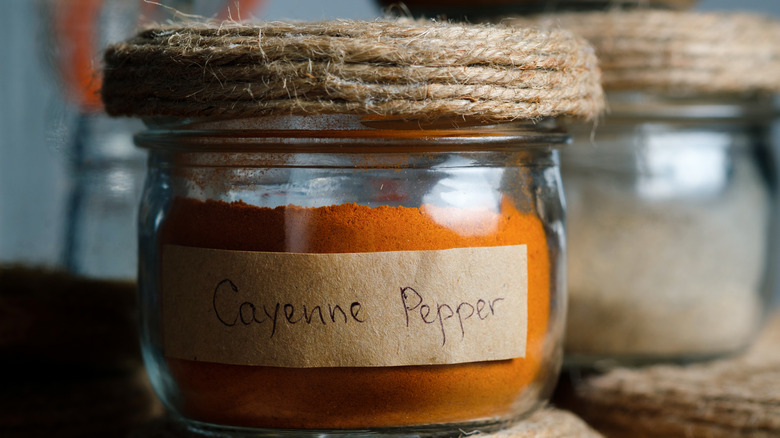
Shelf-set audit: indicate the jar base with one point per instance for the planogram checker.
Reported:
(201, 429)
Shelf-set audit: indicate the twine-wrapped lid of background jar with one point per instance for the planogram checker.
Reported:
(384, 68)
(496, 10)
(678, 52)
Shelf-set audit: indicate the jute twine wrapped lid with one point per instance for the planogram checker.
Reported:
(547, 423)
(735, 397)
(492, 10)
(679, 52)
(387, 68)
(670, 4)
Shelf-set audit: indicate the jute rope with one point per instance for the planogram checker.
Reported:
(668, 4)
(677, 4)
(673, 4)
(680, 52)
(398, 68)
(493, 10)
(737, 397)
(548, 423)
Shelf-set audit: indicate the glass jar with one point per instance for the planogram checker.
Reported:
(108, 174)
(670, 208)
(327, 274)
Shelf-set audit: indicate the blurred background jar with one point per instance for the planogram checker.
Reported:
(671, 199)
(70, 183)
(68, 242)
(670, 222)
(68, 267)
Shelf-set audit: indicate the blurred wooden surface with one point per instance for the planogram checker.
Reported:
(51, 317)
(70, 356)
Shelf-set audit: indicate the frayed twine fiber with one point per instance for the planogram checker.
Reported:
(678, 52)
(387, 68)
(737, 397)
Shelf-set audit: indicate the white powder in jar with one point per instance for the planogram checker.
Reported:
(676, 277)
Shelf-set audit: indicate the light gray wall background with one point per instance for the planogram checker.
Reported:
(36, 125)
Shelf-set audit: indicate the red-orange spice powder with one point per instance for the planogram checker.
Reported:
(335, 398)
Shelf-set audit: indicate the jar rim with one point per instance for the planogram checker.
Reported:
(346, 131)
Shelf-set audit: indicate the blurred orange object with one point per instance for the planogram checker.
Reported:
(76, 49)
(234, 12)
(76, 29)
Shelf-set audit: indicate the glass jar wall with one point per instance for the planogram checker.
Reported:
(331, 273)
(670, 218)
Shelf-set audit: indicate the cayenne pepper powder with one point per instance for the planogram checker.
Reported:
(359, 397)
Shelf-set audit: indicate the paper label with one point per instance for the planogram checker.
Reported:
(344, 310)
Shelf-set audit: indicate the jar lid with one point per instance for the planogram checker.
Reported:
(673, 4)
(491, 8)
(402, 68)
(678, 52)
